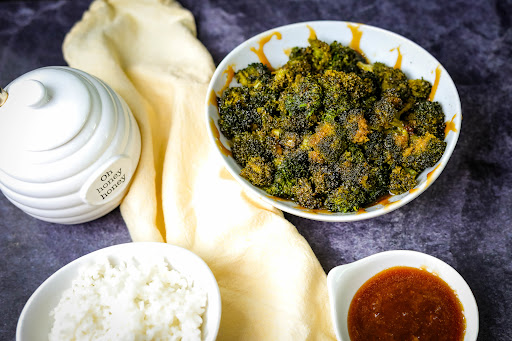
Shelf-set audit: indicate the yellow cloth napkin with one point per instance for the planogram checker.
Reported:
(272, 285)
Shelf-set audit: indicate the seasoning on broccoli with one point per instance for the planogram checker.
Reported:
(329, 130)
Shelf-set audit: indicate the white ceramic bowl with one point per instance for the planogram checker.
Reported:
(377, 45)
(343, 282)
(35, 321)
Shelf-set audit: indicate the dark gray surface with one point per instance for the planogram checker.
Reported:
(464, 219)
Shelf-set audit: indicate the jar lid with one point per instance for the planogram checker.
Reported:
(45, 109)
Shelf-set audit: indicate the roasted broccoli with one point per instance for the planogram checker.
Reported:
(426, 117)
(393, 79)
(420, 88)
(328, 130)
(345, 59)
(345, 91)
(402, 179)
(423, 152)
(288, 169)
(326, 144)
(254, 76)
(258, 171)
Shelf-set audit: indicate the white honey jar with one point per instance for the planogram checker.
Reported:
(69, 145)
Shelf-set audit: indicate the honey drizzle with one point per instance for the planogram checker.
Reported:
(216, 135)
(230, 73)
(356, 37)
(436, 84)
(312, 33)
(398, 63)
(430, 174)
(450, 126)
(287, 51)
(260, 53)
(213, 99)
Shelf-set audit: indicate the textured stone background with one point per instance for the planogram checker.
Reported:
(464, 219)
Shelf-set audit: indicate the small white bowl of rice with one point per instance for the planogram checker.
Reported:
(134, 291)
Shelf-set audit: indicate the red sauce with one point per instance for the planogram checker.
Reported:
(405, 303)
(230, 73)
(436, 84)
(398, 63)
(450, 126)
(216, 135)
(259, 52)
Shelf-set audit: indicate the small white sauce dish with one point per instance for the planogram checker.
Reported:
(35, 321)
(343, 282)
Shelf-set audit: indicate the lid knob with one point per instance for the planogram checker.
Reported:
(3, 96)
(35, 93)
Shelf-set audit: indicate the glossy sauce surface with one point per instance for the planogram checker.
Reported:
(450, 126)
(357, 34)
(216, 135)
(399, 58)
(261, 44)
(405, 303)
(436, 84)
(230, 73)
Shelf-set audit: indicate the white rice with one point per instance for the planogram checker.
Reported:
(145, 300)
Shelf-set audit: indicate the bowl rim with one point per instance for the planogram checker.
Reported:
(403, 199)
(451, 276)
(212, 289)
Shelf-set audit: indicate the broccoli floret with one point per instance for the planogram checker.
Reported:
(423, 152)
(345, 91)
(392, 78)
(320, 54)
(385, 110)
(344, 58)
(255, 75)
(420, 88)
(325, 177)
(345, 199)
(290, 140)
(288, 169)
(237, 113)
(327, 143)
(258, 171)
(377, 183)
(355, 125)
(246, 146)
(401, 180)
(297, 65)
(354, 168)
(386, 147)
(374, 148)
(299, 103)
(395, 142)
(304, 194)
(303, 97)
(427, 117)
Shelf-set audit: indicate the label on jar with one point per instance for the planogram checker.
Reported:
(108, 182)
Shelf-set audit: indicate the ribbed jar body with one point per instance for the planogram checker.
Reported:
(69, 145)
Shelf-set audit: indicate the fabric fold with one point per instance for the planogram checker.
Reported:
(272, 285)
